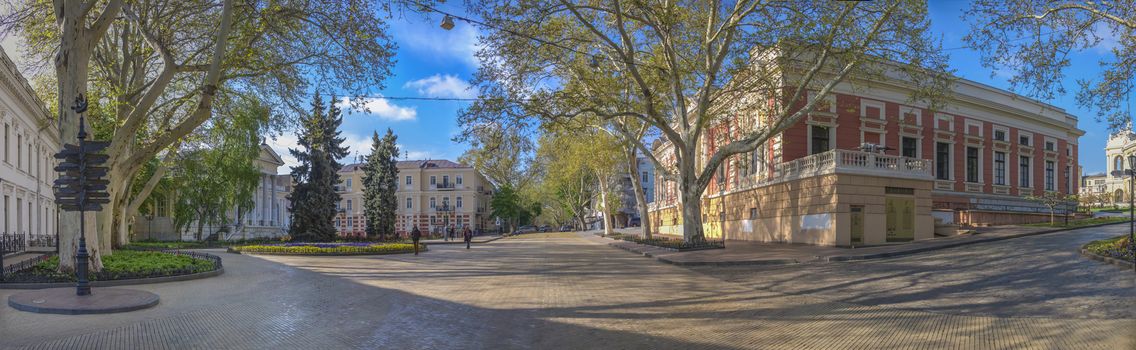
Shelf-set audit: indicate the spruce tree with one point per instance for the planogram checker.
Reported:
(380, 181)
(313, 198)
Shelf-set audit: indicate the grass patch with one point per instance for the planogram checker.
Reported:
(122, 264)
(1082, 222)
(1117, 247)
(341, 248)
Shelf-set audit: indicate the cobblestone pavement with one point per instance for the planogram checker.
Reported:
(540, 293)
(1039, 276)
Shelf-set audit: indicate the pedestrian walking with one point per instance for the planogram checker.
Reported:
(468, 235)
(415, 235)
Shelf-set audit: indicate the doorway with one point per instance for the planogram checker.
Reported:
(857, 224)
(900, 219)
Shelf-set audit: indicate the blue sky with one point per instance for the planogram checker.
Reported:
(433, 62)
(445, 60)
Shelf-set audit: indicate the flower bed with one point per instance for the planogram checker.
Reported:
(1114, 248)
(673, 243)
(340, 248)
(123, 265)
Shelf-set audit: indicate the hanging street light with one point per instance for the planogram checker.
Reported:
(448, 22)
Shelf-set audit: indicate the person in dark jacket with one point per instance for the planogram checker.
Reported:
(415, 235)
(468, 235)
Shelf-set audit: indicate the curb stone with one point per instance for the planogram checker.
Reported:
(953, 245)
(1106, 259)
(116, 283)
(837, 258)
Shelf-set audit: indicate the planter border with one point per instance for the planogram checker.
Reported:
(1106, 259)
(234, 251)
(116, 283)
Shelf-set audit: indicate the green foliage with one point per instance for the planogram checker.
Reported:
(508, 205)
(1083, 222)
(219, 173)
(123, 264)
(374, 249)
(380, 181)
(1116, 247)
(313, 196)
(1052, 31)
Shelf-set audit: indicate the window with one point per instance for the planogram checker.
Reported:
(1118, 163)
(7, 149)
(445, 202)
(999, 135)
(644, 176)
(1024, 171)
(942, 161)
(445, 179)
(409, 202)
(1000, 168)
(1068, 179)
(459, 202)
(433, 181)
(1024, 140)
(348, 205)
(458, 180)
(910, 147)
(432, 203)
(752, 213)
(348, 186)
(1050, 146)
(820, 139)
(19, 151)
(408, 182)
(971, 164)
(1049, 175)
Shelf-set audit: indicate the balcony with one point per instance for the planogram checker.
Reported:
(443, 186)
(842, 162)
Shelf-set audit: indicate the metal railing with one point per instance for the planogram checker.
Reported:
(42, 241)
(104, 275)
(12, 243)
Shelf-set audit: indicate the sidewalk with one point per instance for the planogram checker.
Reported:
(458, 240)
(759, 253)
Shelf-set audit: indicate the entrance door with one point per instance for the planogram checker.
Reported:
(857, 224)
(900, 219)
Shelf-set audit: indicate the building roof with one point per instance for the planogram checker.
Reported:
(406, 164)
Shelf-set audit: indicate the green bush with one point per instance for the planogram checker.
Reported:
(1117, 247)
(122, 264)
(330, 249)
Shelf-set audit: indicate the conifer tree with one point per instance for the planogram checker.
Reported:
(313, 198)
(380, 181)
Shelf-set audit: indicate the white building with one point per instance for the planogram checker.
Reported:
(1120, 146)
(268, 218)
(27, 145)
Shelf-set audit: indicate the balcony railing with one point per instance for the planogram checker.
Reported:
(443, 186)
(843, 162)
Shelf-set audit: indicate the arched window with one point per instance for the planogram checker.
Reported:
(1118, 163)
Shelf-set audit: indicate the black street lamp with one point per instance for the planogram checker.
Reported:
(1130, 173)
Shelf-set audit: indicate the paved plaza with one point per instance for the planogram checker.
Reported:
(574, 292)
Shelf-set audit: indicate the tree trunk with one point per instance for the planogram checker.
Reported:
(691, 205)
(71, 76)
(605, 211)
(640, 194)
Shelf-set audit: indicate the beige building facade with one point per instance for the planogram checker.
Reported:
(1120, 147)
(432, 194)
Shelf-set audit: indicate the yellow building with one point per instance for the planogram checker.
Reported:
(432, 194)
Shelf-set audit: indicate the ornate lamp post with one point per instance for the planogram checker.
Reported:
(1130, 173)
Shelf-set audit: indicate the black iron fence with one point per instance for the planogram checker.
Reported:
(12, 243)
(42, 241)
(23, 265)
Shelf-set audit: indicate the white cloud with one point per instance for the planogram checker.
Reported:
(438, 85)
(1110, 39)
(281, 144)
(459, 43)
(381, 108)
